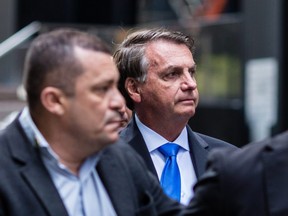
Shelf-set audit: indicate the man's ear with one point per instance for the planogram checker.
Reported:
(52, 99)
(133, 89)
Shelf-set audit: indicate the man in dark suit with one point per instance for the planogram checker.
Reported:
(157, 79)
(246, 182)
(57, 157)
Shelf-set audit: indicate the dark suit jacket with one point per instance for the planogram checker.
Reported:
(27, 189)
(199, 145)
(252, 181)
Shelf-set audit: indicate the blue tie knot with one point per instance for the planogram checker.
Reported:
(169, 149)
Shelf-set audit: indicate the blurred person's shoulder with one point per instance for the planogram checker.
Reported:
(250, 154)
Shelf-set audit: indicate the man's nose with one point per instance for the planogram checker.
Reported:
(189, 81)
(118, 101)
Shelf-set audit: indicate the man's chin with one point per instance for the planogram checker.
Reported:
(108, 140)
(112, 138)
(188, 113)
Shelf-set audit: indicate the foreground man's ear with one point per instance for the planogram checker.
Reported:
(53, 100)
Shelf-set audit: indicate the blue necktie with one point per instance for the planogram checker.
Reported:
(170, 179)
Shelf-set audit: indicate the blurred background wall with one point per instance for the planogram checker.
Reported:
(240, 53)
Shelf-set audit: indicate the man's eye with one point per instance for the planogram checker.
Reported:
(102, 89)
(192, 72)
(172, 74)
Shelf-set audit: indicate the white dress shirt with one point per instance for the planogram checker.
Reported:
(153, 140)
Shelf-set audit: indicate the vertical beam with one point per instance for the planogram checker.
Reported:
(263, 57)
(7, 21)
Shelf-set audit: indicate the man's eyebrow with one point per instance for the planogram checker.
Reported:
(169, 68)
(177, 67)
(193, 67)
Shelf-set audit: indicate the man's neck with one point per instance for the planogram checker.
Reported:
(168, 129)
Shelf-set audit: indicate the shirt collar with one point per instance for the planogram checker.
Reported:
(32, 131)
(36, 138)
(154, 140)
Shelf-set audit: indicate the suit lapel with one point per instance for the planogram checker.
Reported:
(117, 184)
(33, 171)
(139, 145)
(198, 152)
(135, 139)
(40, 182)
(275, 162)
